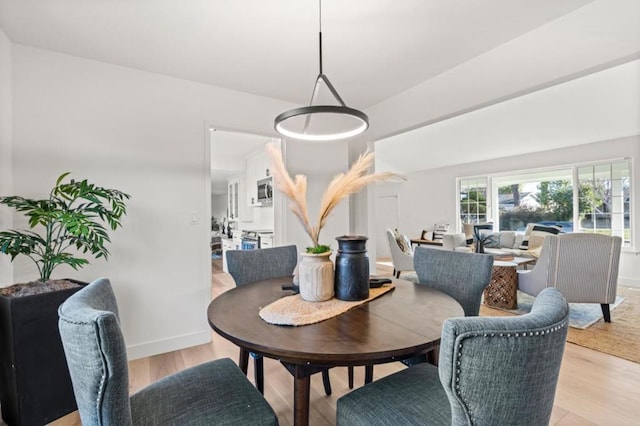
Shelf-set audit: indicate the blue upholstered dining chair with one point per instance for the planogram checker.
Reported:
(462, 276)
(248, 266)
(492, 371)
(215, 392)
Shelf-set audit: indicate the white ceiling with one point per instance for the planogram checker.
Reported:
(406, 63)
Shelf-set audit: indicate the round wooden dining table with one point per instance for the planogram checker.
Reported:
(400, 324)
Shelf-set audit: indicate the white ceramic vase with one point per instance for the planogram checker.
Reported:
(315, 277)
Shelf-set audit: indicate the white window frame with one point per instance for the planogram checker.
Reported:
(459, 182)
(492, 191)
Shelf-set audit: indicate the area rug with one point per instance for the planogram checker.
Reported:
(620, 337)
(581, 315)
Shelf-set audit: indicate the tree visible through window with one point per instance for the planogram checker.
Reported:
(539, 197)
(587, 198)
(473, 200)
(605, 194)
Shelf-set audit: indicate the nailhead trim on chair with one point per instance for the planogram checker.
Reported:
(103, 377)
(544, 332)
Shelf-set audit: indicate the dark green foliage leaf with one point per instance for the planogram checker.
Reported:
(318, 249)
(72, 217)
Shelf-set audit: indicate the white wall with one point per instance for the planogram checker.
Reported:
(429, 197)
(145, 134)
(6, 135)
(320, 162)
(362, 204)
(219, 206)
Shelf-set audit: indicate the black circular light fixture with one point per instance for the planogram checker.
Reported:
(330, 122)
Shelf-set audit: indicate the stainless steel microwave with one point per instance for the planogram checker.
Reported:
(265, 190)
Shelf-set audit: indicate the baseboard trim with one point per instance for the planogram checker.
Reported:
(628, 282)
(171, 344)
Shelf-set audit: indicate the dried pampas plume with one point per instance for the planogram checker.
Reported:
(342, 185)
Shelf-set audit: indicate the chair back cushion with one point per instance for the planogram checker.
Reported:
(248, 266)
(584, 267)
(504, 370)
(535, 233)
(462, 276)
(403, 242)
(96, 355)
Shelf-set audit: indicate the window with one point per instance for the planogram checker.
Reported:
(583, 198)
(473, 200)
(535, 197)
(604, 199)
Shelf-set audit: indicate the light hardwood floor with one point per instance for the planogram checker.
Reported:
(594, 388)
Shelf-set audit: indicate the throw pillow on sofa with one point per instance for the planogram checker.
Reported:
(489, 238)
(508, 239)
(427, 235)
(404, 243)
(439, 230)
(535, 233)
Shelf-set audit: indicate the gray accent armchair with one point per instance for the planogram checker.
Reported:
(212, 393)
(584, 267)
(401, 261)
(493, 371)
(249, 266)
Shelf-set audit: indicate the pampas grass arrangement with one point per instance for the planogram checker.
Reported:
(342, 185)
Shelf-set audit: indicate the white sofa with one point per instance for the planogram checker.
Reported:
(508, 243)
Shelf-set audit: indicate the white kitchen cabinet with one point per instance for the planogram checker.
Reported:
(227, 244)
(237, 201)
(257, 168)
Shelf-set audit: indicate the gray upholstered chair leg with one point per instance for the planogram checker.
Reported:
(605, 312)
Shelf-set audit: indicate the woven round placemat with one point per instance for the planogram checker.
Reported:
(293, 310)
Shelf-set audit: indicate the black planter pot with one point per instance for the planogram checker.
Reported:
(352, 268)
(35, 387)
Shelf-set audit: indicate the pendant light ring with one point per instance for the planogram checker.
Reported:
(335, 113)
(359, 116)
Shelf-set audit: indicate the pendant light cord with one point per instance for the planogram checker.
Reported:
(359, 118)
(320, 32)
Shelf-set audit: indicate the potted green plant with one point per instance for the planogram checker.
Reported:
(316, 278)
(35, 387)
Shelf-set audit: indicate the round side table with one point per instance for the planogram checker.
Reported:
(502, 291)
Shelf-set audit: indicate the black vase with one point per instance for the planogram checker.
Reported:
(352, 268)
